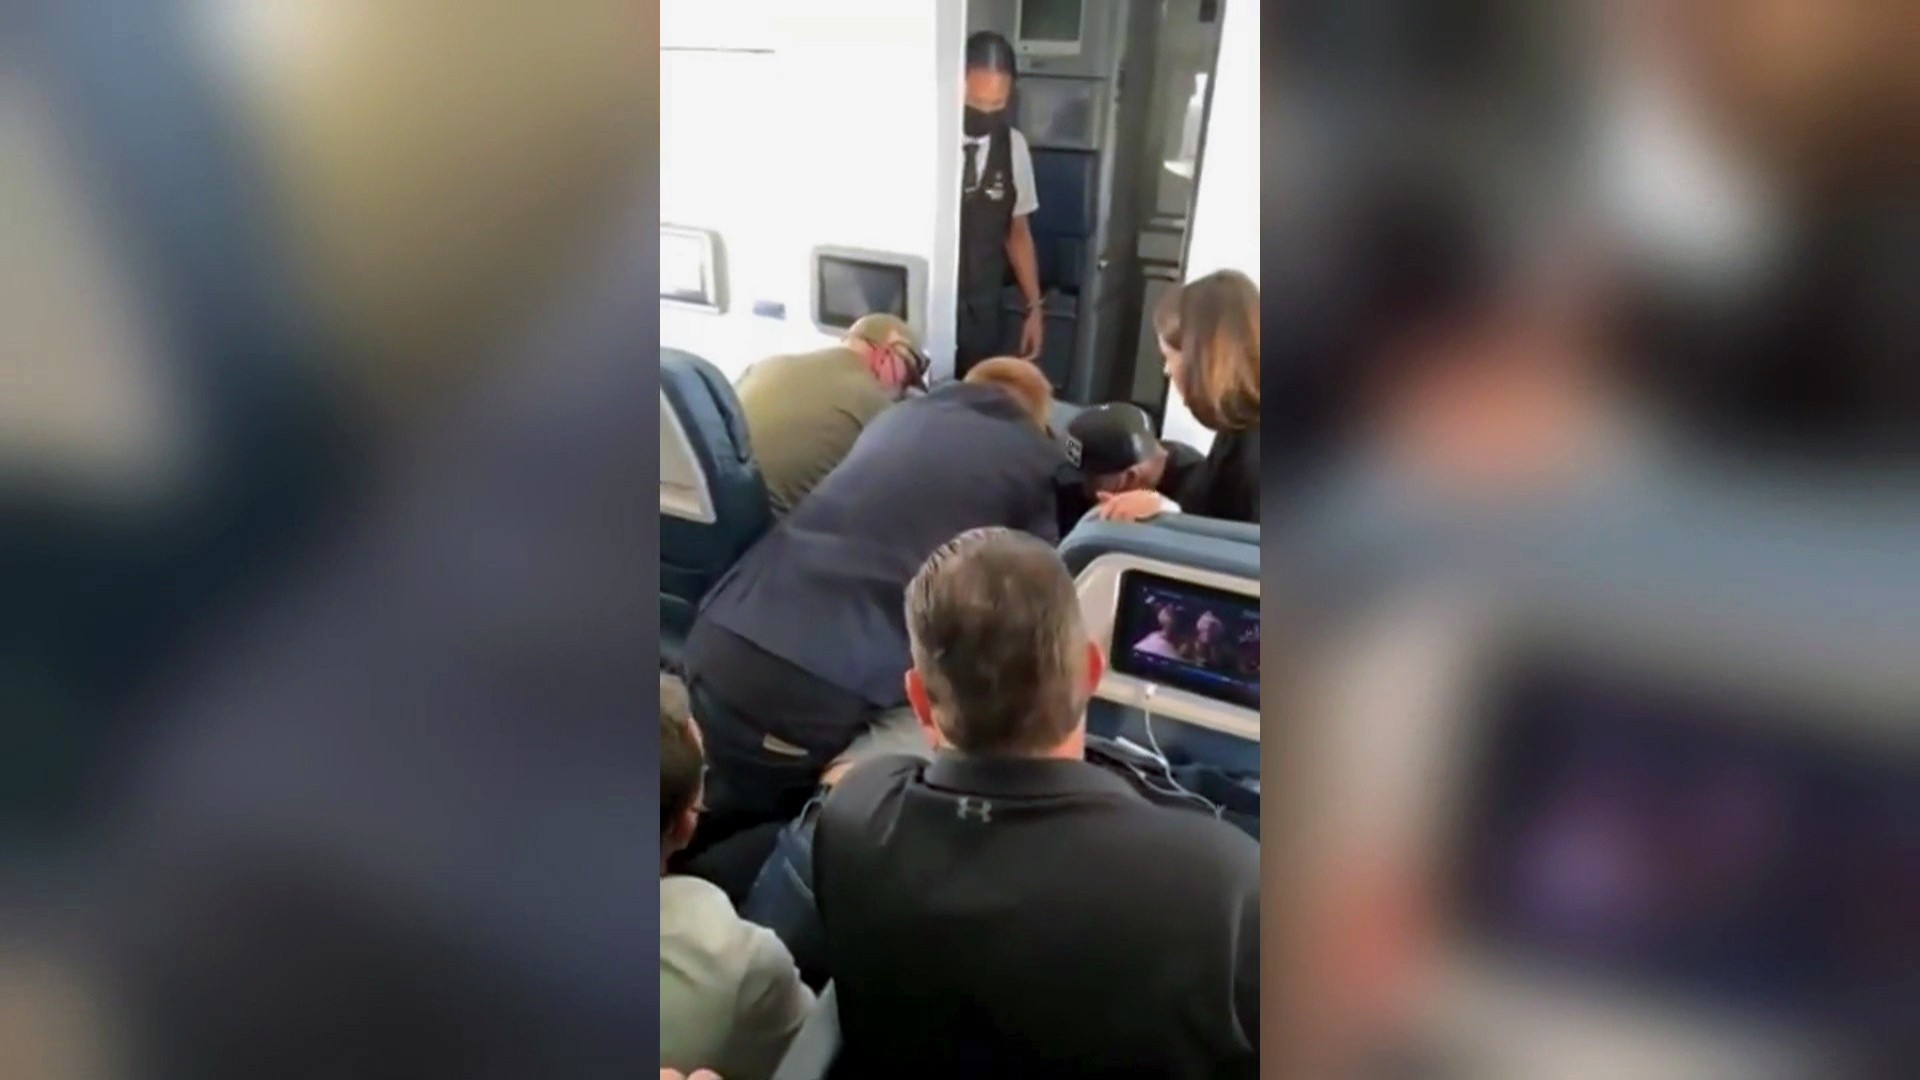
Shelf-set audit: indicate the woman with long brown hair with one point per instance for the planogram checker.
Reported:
(1209, 331)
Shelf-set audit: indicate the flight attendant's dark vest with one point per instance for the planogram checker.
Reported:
(986, 212)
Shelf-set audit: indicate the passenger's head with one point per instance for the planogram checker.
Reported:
(1021, 378)
(1001, 660)
(1209, 333)
(682, 768)
(1115, 449)
(1209, 628)
(886, 343)
(990, 71)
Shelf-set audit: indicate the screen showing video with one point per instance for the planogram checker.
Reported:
(1202, 640)
(1635, 833)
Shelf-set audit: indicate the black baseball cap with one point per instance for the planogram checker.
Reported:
(1111, 438)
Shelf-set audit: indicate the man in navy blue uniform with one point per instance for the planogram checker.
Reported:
(800, 649)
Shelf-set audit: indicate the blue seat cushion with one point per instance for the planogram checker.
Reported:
(694, 555)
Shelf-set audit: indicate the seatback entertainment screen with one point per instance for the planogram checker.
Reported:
(852, 288)
(1644, 834)
(1202, 640)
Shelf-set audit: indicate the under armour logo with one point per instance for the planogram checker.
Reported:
(1075, 448)
(979, 808)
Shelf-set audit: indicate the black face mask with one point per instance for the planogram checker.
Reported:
(979, 123)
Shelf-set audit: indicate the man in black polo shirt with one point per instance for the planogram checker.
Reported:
(1010, 909)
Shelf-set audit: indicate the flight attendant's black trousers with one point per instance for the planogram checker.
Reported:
(769, 729)
(978, 335)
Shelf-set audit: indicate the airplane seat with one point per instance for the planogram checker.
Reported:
(1242, 532)
(817, 1046)
(1215, 753)
(1062, 414)
(1066, 180)
(713, 503)
(1222, 547)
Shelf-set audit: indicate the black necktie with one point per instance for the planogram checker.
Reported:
(970, 178)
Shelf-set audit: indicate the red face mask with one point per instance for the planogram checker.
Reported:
(897, 366)
(881, 363)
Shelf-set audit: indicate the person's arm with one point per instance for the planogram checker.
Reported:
(873, 404)
(1044, 522)
(1051, 515)
(1026, 263)
(772, 1007)
(1142, 505)
(1021, 254)
(1026, 270)
(1074, 506)
(861, 410)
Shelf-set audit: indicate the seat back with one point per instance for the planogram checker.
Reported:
(713, 503)
(1239, 532)
(1206, 544)
(814, 1049)
(1067, 182)
(1191, 730)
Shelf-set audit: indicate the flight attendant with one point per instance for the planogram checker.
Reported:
(997, 196)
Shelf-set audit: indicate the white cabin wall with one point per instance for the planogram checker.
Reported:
(843, 129)
(1226, 213)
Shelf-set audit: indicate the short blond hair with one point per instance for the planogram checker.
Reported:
(880, 328)
(1021, 378)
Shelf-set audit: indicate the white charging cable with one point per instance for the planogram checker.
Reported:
(1179, 790)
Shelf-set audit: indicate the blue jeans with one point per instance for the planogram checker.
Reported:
(782, 896)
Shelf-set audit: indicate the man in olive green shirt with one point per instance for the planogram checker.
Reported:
(804, 411)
